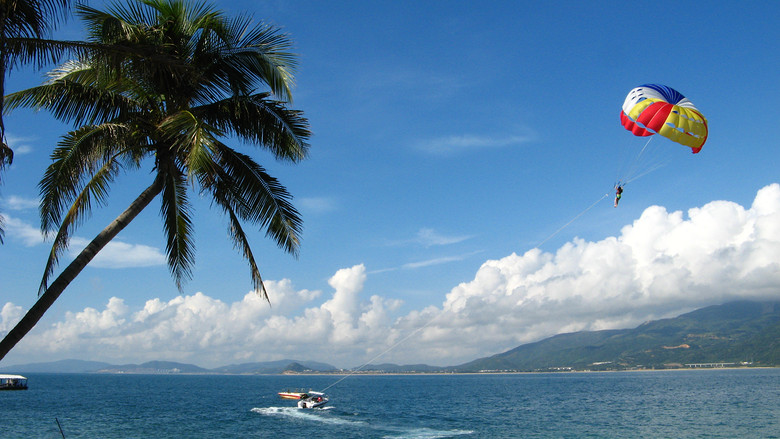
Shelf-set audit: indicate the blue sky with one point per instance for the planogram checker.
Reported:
(455, 192)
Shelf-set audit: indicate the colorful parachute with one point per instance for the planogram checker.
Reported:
(658, 109)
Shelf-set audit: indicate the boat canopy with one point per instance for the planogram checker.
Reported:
(11, 382)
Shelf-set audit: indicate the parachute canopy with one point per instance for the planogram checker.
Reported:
(658, 109)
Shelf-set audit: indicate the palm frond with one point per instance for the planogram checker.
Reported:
(255, 196)
(6, 158)
(73, 102)
(6, 154)
(81, 153)
(177, 225)
(24, 18)
(252, 57)
(37, 51)
(96, 188)
(241, 243)
(261, 121)
(192, 139)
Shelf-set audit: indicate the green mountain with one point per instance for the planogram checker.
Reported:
(736, 333)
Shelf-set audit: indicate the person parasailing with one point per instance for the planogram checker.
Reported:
(618, 193)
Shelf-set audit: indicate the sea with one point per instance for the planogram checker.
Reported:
(717, 403)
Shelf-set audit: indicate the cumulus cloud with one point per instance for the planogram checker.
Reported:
(663, 264)
(9, 316)
(202, 329)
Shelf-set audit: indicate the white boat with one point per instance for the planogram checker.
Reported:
(312, 400)
(13, 382)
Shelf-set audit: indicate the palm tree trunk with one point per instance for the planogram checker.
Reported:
(66, 277)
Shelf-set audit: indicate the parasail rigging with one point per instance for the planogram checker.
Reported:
(652, 109)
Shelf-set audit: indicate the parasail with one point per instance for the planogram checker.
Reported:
(657, 109)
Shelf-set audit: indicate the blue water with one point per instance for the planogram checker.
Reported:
(741, 403)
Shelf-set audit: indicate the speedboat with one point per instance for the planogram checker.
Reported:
(306, 399)
(312, 400)
(292, 394)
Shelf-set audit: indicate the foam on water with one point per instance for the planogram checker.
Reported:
(427, 433)
(311, 415)
(322, 416)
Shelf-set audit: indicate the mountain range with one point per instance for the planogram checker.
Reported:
(733, 334)
(740, 333)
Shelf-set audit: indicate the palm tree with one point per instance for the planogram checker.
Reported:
(171, 115)
(23, 25)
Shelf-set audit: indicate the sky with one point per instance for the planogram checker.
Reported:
(457, 201)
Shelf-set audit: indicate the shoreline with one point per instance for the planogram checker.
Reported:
(376, 373)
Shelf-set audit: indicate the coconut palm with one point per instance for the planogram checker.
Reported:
(23, 25)
(172, 116)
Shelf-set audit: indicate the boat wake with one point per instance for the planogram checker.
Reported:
(426, 433)
(328, 416)
(312, 415)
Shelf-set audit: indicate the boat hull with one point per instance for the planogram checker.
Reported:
(310, 404)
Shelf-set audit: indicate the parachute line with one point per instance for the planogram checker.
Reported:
(572, 220)
(411, 334)
(655, 167)
(650, 158)
(633, 166)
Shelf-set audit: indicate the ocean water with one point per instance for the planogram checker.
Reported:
(742, 403)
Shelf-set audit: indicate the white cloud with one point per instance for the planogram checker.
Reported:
(663, 264)
(466, 142)
(118, 254)
(434, 261)
(208, 331)
(9, 316)
(20, 145)
(429, 237)
(20, 203)
(317, 205)
(18, 229)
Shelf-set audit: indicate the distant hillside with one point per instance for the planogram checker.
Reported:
(735, 333)
(273, 367)
(166, 367)
(395, 368)
(61, 366)
(155, 367)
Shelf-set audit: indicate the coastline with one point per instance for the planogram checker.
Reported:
(379, 373)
